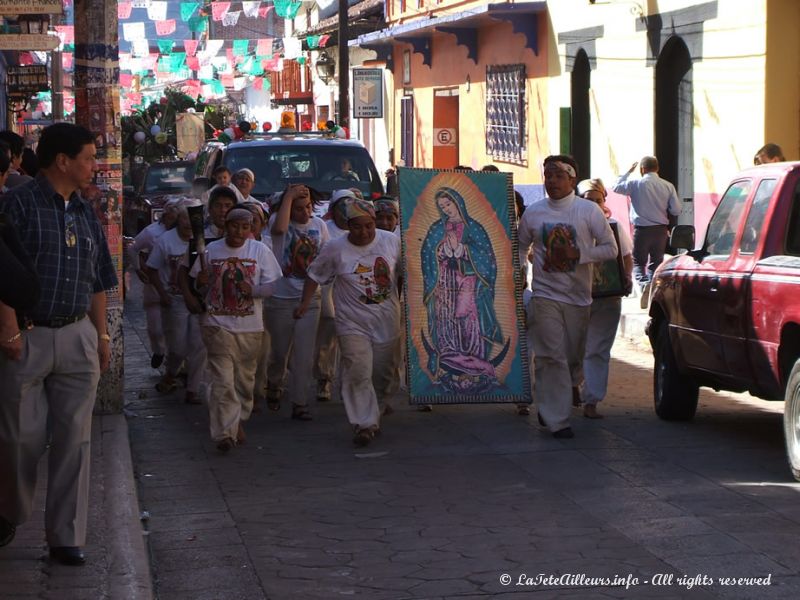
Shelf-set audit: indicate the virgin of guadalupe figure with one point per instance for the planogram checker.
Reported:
(459, 270)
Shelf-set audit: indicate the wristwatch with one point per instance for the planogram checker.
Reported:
(104, 336)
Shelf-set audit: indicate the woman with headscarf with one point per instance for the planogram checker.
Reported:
(363, 267)
(387, 214)
(605, 312)
(459, 271)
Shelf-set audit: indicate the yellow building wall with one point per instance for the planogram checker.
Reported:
(782, 102)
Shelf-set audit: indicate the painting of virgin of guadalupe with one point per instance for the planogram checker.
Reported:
(463, 309)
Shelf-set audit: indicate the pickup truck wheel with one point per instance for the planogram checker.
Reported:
(675, 394)
(791, 420)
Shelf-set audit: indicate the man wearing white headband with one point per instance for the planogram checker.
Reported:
(568, 234)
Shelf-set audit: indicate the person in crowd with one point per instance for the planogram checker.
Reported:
(463, 168)
(51, 354)
(181, 327)
(653, 200)
(567, 234)
(16, 144)
(239, 271)
(523, 409)
(30, 164)
(5, 168)
(139, 253)
(245, 180)
(297, 238)
(491, 169)
(345, 171)
(326, 350)
(605, 312)
(387, 214)
(19, 283)
(220, 200)
(364, 266)
(768, 153)
(392, 184)
(222, 175)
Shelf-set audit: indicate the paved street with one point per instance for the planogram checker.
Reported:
(444, 504)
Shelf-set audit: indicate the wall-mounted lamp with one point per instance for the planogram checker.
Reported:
(325, 67)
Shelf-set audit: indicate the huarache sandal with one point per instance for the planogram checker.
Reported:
(301, 413)
(274, 403)
(362, 437)
(166, 386)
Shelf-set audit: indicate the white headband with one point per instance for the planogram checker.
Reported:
(562, 166)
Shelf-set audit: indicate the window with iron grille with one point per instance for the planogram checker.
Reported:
(505, 113)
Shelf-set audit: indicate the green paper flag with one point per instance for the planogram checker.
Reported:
(198, 24)
(240, 47)
(177, 60)
(252, 66)
(187, 9)
(301, 60)
(287, 9)
(164, 65)
(165, 46)
(312, 41)
(217, 87)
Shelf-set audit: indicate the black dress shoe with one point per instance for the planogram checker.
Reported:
(7, 531)
(71, 556)
(156, 360)
(564, 434)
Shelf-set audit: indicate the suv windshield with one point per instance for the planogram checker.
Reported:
(168, 179)
(323, 168)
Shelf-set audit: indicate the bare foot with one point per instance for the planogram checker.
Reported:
(590, 412)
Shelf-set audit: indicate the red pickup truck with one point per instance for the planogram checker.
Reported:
(726, 315)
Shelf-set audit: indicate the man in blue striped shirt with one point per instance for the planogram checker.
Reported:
(51, 354)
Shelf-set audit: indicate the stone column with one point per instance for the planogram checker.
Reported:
(97, 109)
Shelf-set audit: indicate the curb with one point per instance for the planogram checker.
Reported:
(129, 566)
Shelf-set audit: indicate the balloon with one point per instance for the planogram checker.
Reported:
(244, 126)
(190, 110)
(155, 130)
(139, 137)
(266, 126)
(229, 132)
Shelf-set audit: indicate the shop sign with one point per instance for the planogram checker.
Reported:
(25, 80)
(368, 93)
(31, 7)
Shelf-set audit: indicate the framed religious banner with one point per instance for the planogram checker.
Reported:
(464, 317)
(608, 278)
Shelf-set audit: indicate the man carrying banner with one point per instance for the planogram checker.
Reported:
(567, 234)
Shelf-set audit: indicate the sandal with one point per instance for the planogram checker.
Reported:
(362, 437)
(301, 413)
(166, 386)
(523, 410)
(274, 403)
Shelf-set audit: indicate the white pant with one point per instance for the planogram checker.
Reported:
(369, 370)
(292, 346)
(152, 313)
(232, 361)
(600, 337)
(263, 360)
(559, 339)
(184, 343)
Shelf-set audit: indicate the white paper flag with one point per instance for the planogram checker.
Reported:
(157, 11)
(291, 47)
(221, 63)
(206, 72)
(212, 47)
(140, 3)
(251, 8)
(140, 48)
(239, 83)
(133, 31)
(231, 19)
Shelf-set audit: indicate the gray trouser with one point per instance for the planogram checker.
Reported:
(599, 339)
(56, 380)
(649, 243)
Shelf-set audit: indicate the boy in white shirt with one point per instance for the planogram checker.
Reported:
(239, 272)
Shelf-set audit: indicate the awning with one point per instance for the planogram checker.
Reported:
(523, 16)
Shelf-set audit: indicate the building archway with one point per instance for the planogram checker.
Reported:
(581, 129)
(674, 116)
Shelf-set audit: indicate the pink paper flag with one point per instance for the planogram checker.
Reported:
(67, 59)
(270, 64)
(264, 47)
(264, 11)
(227, 79)
(258, 83)
(193, 63)
(124, 10)
(125, 79)
(324, 40)
(190, 46)
(165, 27)
(219, 10)
(66, 33)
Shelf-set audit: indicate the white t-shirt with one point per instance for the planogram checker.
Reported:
(252, 263)
(364, 285)
(334, 232)
(296, 250)
(143, 243)
(569, 222)
(167, 255)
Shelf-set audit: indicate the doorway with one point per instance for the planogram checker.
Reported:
(674, 116)
(445, 129)
(581, 130)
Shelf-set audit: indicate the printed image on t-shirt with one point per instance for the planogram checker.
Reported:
(300, 249)
(375, 281)
(225, 297)
(173, 262)
(558, 238)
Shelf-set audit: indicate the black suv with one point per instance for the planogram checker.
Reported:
(143, 202)
(323, 163)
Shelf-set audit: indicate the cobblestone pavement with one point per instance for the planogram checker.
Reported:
(446, 504)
